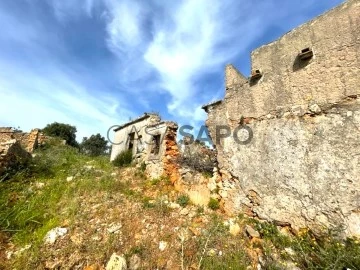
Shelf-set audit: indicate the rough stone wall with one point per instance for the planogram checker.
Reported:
(29, 141)
(302, 166)
(12, 154)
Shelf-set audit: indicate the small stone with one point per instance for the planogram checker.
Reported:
(116, 262)
(184, 212)
(223, 193)
(174, 205)
(69, 178)
(162, 245)
(134, 262)
(114, 228)
(297, 110)
(315, 108)
(54, 234)
(349, 113)
(252, 232)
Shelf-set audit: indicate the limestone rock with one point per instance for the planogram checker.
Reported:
(134, 262)
(184, 212)
(252, 232)
(173, 205)
(162, 245)
(116, 262)
(54, 234)
(114, 228)
(315, 108)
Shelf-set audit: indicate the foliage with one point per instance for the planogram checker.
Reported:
(28, 211)
(183, 200)
(327, 251)
(213, 204)
(123, 159)
(63, 131)
(96, 145)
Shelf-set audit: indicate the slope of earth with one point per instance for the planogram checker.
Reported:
(71, 211)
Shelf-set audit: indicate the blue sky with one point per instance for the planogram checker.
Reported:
(97, 63)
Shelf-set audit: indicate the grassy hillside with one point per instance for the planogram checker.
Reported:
(106, 209)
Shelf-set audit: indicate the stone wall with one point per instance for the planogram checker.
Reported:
(12, 155)
(29, 141)
(302, 165)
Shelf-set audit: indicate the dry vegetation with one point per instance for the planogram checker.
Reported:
(106, 209)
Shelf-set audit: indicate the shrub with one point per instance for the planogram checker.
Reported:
(183, 200)
(213, 204)
(123, 159)
(96, 145)
(63, 131)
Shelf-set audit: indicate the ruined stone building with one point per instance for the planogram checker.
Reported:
(302, 103)
(16, 146)
(152, 141)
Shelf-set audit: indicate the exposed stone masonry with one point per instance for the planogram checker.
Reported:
(302, 165)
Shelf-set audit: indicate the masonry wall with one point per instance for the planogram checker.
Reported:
(302, 166)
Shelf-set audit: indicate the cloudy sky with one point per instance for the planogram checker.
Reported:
(96, 63)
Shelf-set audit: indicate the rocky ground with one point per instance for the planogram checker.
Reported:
(91, 215)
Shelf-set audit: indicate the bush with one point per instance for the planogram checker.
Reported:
(213, 204)
(63, 131)
(123, 159)
(183, 200)
(96, 145)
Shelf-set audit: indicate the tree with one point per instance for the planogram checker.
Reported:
(63, 131)
(96, 145)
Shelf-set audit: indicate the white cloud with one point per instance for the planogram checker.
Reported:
(33, 100)
(159, 48)
(124, 24)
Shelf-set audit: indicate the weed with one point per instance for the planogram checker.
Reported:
(214, 204)
(155, 181)
(147, 202)
(200, 210)
(123, 159)
(207, 174)
(183, 200)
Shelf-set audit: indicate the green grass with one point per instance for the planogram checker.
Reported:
(27, 212)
